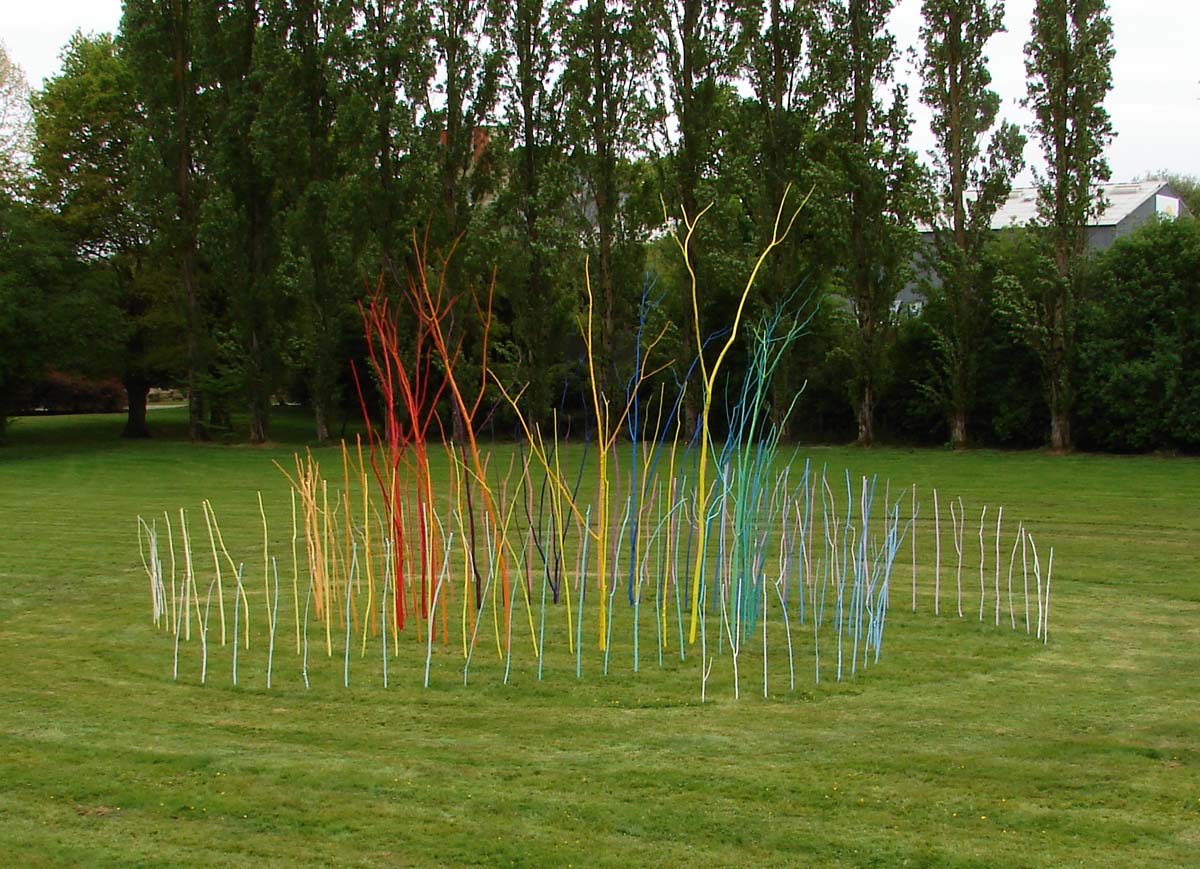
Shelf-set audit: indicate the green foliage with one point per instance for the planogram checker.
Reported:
(54, 310)
(16, 125)
(1188, 188)
(386, 76)
(87, 171)
(1139, 344)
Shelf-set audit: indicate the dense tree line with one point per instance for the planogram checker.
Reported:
(202, 200)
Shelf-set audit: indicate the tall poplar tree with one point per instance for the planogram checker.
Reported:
(702, 44)
(880, 180)
(974, 164)
(158, 39)
(237, 223)
(536, 267)
(387, 77)
(467, 45)
(793, 81)
(1068, 60)
(610, 50)
(303, 49)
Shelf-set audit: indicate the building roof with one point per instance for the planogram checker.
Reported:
(1120, 201)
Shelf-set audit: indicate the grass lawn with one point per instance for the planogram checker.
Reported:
(967, 745)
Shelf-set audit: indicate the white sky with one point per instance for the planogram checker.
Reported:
(1154, 104)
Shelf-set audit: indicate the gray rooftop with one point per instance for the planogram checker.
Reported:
(1120, 201)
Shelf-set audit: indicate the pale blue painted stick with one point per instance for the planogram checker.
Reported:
(896, 540)
(519, 565)
(512, 598)
(765, 597)
(204, 634)
(787, 630)
(616, 554)
(482, 598)
(542, 620)
(437, 592)
(806, 541)
(660, 581)
(651, 545)
(304, 659)
(719, 586)
(583, 562)
(733, 643)
(675, 568)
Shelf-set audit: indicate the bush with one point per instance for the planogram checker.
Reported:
(1139, 343)
(60, 392)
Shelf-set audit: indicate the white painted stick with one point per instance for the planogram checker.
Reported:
(914, 546)
(1037, 575)
(982, 557)
(1046, 621)
(217, 567)
(189, 579)
(937, 564)
(1011, 561)
(171, 545)
(956, 535)
(999, 518)
(266, 566)
(1025, 572)
(271, 642)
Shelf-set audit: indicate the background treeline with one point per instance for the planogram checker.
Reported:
(202, 201)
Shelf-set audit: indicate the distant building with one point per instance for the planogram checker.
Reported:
(1125, 208)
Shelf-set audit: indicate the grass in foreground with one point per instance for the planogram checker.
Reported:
(966, 746)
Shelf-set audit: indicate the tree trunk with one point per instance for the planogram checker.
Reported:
(320, 418)
(219, 417)
(260, 400)
(259, 422)
(136, 390)
(1060, 419)
(958, 428)
(866, 416)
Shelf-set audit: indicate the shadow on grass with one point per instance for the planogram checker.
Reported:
(80, 433)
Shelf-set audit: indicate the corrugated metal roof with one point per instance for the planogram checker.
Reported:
(1120, 200)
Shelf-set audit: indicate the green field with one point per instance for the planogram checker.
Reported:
(967, 745)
